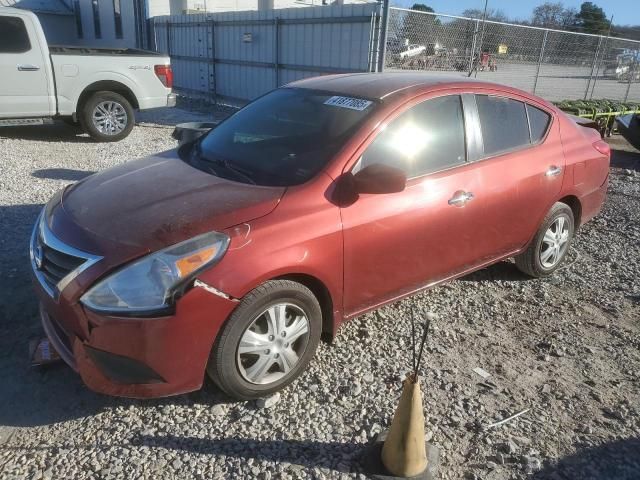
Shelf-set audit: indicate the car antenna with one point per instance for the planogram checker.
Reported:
(417, 360)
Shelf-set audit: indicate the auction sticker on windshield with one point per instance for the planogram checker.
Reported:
(348, 102)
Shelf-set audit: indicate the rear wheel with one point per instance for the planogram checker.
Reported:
(551, 243)
(268, 340)
(107, 117)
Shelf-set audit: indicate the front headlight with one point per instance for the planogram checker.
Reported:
(148, 284)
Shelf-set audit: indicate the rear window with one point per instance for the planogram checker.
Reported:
(503, 122)
(538, 122)
(13, 36)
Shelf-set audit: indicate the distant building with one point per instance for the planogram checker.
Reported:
(123, 23)
(177, 7)
(96, 23)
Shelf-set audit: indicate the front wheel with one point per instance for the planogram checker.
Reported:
(267, 341)
(551, 243)
(107, 117)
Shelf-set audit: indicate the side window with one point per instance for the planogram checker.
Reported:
(539, 121)
(13, 36)
(426, 138)
(503, 122)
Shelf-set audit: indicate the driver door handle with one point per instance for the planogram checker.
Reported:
(460, 198)
(28, 68)
(553, 171)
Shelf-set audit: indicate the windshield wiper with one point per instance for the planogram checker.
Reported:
(222, 163)
(226, 164)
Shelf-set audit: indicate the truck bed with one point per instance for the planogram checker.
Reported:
(96, 51)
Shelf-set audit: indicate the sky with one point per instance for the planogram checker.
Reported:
(625, 12)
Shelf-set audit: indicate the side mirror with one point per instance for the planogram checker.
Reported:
(188, 132)
(379, 178)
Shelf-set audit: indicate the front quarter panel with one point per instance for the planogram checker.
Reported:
(303, 235)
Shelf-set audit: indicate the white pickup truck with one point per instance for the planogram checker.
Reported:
(98, 88)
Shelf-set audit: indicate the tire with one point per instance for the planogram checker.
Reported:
(238, 373)
(536, 261)
(116, 107)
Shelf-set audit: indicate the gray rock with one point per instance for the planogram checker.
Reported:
(268, 402)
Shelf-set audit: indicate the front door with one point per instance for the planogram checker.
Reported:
(25, 90)
(397, 243)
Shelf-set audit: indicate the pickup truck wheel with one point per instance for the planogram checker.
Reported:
(267, 341)
(551, 243)
(107, 117)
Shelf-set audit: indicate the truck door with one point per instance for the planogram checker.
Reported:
(24, 88)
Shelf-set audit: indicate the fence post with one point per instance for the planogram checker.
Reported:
(473, 44)
(276, 51)
(593, 67)
(382, 41)
(540, 60)
(632, 73)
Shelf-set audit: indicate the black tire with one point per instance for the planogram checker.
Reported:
(530, 261)
(85, 116)
(223, 366)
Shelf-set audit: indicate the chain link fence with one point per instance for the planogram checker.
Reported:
(556, 65)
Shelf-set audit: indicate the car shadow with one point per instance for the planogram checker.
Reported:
(56, 132)
(341, 457)
(619, 460)
(625, 159)
(62, 174)
(504, 270)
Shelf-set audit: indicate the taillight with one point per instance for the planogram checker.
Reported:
(603, 147)
(165, 74)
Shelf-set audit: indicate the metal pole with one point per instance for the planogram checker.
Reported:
(476, 28)
(371, 37)
(593, 67)
(540, 59)
(484, 23)
(383, 35)
(632, 73)
(276, 50)
(604, 53)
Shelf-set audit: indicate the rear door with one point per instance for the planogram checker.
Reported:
(521, 166)
(25, 90)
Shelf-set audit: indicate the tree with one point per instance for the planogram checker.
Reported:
(495, 15)
(422, 8)
(553, 15)
(416, 28)
(591, 19)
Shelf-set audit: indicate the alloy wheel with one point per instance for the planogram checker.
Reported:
(555, 242)
(109, 117)
(273, 343)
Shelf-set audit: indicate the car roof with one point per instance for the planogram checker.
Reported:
(381, 86)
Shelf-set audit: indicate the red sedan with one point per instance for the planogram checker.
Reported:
(324, 199)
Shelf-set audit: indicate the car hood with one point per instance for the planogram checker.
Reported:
(160, 200)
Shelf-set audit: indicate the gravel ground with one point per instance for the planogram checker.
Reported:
(567, 348)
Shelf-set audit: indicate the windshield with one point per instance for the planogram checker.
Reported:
(284, 138)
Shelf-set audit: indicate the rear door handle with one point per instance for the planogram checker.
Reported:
(28, 68)
(460, 198)
(553, 171)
